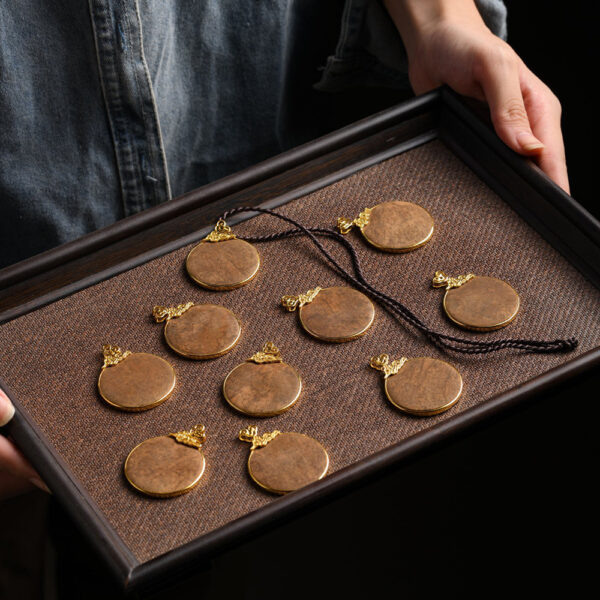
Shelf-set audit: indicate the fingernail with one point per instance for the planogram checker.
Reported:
(40, 484)
(529, 142)
(7, 410)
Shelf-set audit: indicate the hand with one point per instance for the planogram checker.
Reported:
(16, 474)
(447, 42)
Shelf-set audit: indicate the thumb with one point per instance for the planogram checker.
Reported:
(501, 86)
(7, 410)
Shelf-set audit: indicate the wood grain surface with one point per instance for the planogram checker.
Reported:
(482, 304)
(288, 462)
(398, 226)
(262, 390)
(161, 466)
(139, 382)
(223, 265)
(204, 331)
(338, 314)
(424, 386)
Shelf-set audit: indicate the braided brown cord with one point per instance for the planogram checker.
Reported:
(441, 340)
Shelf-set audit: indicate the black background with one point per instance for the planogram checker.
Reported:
(559, 42)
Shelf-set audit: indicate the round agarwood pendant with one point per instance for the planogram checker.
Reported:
(478, 303)
(221, 261)
(392, 226)
(419, 386)
(335, 314)
(199, 331)
(284, 462)
(134, 381)
(264, 385)
(168, 465)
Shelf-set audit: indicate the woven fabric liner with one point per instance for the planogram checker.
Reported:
(51, 357)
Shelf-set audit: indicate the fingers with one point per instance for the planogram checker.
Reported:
(525, 113)
(13, 465)
(556, 169)
(7, 410)
(544, 111)
(498, 74)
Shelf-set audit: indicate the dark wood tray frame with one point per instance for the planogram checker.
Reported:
(441, 114)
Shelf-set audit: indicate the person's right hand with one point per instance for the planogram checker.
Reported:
(16, 474)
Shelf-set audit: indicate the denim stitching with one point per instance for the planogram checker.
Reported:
(154, 114)
(127, 86)
(103, 27)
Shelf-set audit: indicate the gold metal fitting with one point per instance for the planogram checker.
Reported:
(221, 232)
(269, 354)
(164, 313)
(113, 355)
(294, 302)
(250, 434)
(195, 437)
(382, 363)
(440, 279)
(345, 225)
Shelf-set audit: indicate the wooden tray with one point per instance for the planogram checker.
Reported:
(491, 207)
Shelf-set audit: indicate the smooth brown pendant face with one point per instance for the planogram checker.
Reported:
(224, 265)
(288, 462)
(163, 467)
(262, 390)
(337, 314)
(204, 331)
(482, 304)
(398, 226)
(139, 382)
(424, 386)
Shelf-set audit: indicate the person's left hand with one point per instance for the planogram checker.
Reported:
(16, 473)
(447, 42)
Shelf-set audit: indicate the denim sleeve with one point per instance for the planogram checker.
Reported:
(370, 51)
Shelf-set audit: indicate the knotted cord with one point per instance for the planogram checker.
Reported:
(359, 281)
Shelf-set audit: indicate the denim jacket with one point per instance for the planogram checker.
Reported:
(109, 107)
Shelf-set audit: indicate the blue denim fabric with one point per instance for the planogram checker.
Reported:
(370, 51)
(57, 161)
(110, 107)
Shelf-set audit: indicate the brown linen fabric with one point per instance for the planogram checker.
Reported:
(51, 358)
